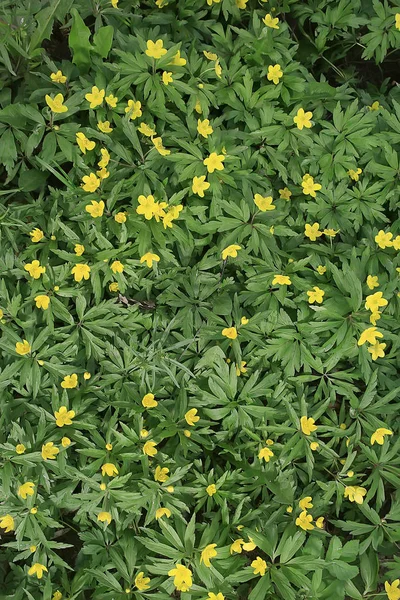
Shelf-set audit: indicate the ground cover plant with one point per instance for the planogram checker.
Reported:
(199, 299)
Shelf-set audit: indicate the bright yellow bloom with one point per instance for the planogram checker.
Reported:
(167, 77)
(355, 493)
(372, 282)
(306, 502)
(84, 143)
(34, 269)
(141, 582)
(369, 335)
(218, 69)
(384, 240)
(303, 119)
(314, 446)
(200, 185)
(158, 145)
(304, 521)
(281, 280)
(104, 126)
(354, 175)
(231, 251)
(163, 512)
(117, 267)
(236, 546)
(70, 382)
(155, 49)
(150, 448)
(264, 203)
(197, 107)
(95, 97)
(241, 368)
(81, 271)
(49, 451)
(331, 232)
(64, 416)
(7, 523)
(191, 417)
(42, 301)
(105, 158)
(57, 596)
(320, 522)
(260, 566)
(274, 73)
(379, 435)
(289, 510)
(214, 162)
(26, 489)
(109, 469)
(146, 130)
(146, 206)
(211, 595)
(374, 106)
(38, 570)
(312, 231)
(182, 577)
(321, 270)
(113, 287)
(56, 104)
(20, 448)
(161, 474)
(104, 517)
(90, 182)
(58, 77)
(134, 109)
(148, 401)
(309, 187)
(211, 489)
(204, 128)
(230, 332)
(392, 589)
(149, 258)
(36, 235)
(265, 453)
(269, 21)
(178, 61)
(285, 194)
(208, 553)
(375, 301)
(111, 100)
(210, 55)
(22, 348)
(397, 24)
(315, 295)
(307, 425)
(65, 442)
(120, 217)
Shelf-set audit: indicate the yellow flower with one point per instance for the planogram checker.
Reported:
(372, 282)
(208, 553)
(56, 104)
(265, 453)
(178, 61)
(120, 217)
(150, 448)
(204, 128)
(397, 24)
(58, 77)
(20, 448)
(146, 206)
(379, 435)
(149, 258)
(95, 97)
(167, 77)
(230, 332)
(309, 187)
(65, 442)
(260, 566)
(22, 348)
(109, 469)
(355, 493)
(375, 301)
(315, 295)
(218, 69)
(104, 126)
(303, 119)
(392, 589)
(354, 175)
(111, 100)
(146, 130)
(141, 582)
(36, 235)
(211, 595)
(158, 145)
(163, 512)
(241, 368)
(274, 73)
(307, 425)
(312, 231)
(330, 232)
(211, 489)
(321, 270)
(269, 21)
(117, 267)
(236, 546)
(289, 510)
(42, 301)
(182, 577)
(305, 502)
(214, 162)
(81, 271)
(281, 280)
(231, 251)
(34, 269)
(155, 49)
(384, 240)
(144, 433)
(304, 521)
(84, 143)
(26, 489)
(105, 158)
(104, 517)
(200, 185)
(38, 570)
(197, 107)
(191, 417)
(57, 595)
(113, 287)
(285, 194)
(161, 474)
(369, 335)
(65, 416)
(134, 109)
(90, 182)
(33, 510)
(7, 523)
(264, 203)
(69, 383)
(320, 522)
(314, 446)
(148, 401)
(49, 451)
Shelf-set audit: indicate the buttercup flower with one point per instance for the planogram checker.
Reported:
(36, 235)
(22, 348)
(148, 401)
(304, 520)
(104, 126)
(211, 489)
(211, 595)
(237, 546)
(303, 119)
(141, 582)
(200, 185)
(274, 73)
(111, 100)
(307, 425)
(384, 240)
(354, 174)
(285, 194)
(81, 271)
(149, 258)
(134, 109)
(214, 162)
(7, 523)
(104, 517)
(161, 474)
(84, 143)
(178, 61)
(270, 21)
(182, 577)
(26, 489)
(375, 301)
(231, 250)
(281, 280)
(146, 207)
(56, 104)
(372, 282)
(320, 522)
(20, 448)
(163, 512)
(191, 417)
(49, 451)
(95, 97)
(210, 55)
(315, 295)
(310, 188)
(355, 493)
(117, 267)
(369, 335)
(230, 332)
(42, 301)
(109, 469)
(155, 49)
(65, 442)
(265, 453)
(70, 382)
(264, 203)
(305, 502)
(38, 570)
(260, 566)
(312, 231)
(321, 270)
(392, 589)
(34, 269)
(379, 435)
(146, 130)
(58, 77)
(158, 145)
(204, 128)
(167, 77)
(65, 416)
(241, 368)
(150, 449)
(90, 183)
(207, 554)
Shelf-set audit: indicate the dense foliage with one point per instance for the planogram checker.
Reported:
(199, 299)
